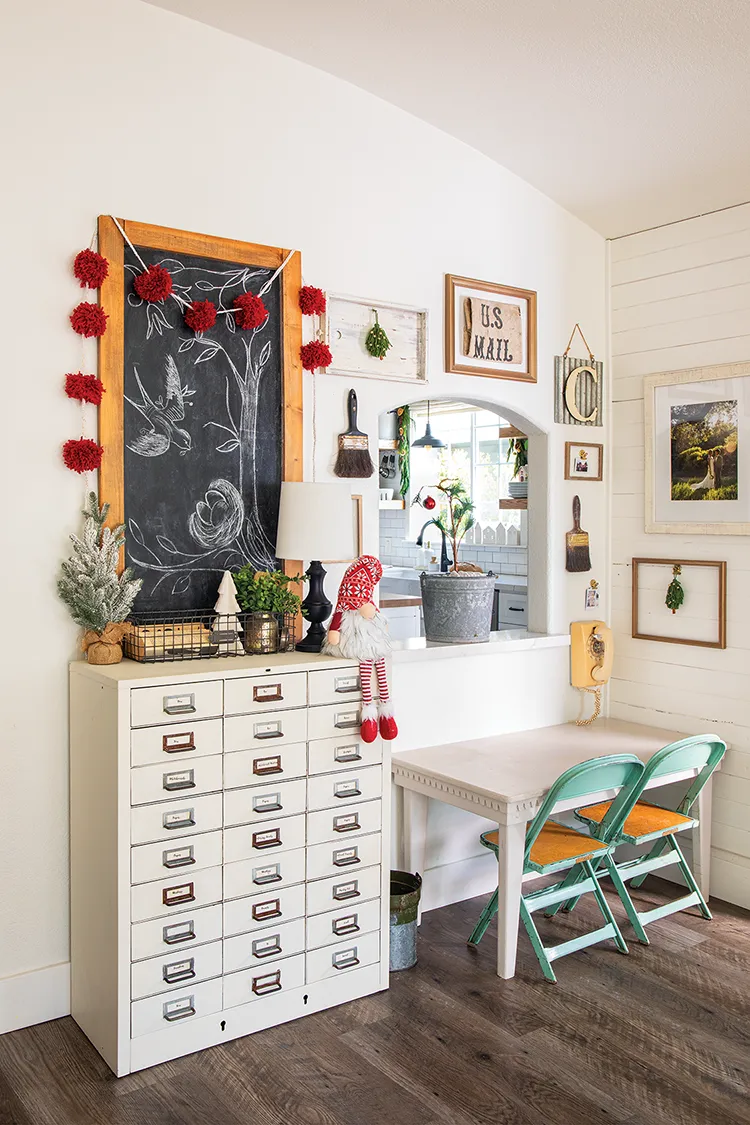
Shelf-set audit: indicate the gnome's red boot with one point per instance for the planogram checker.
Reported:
(388, 727)
(368, 731)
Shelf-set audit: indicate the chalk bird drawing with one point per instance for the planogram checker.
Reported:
(162, 415)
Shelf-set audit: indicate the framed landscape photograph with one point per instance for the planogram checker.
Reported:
(490, 329)
(583, 461)
(697, 426)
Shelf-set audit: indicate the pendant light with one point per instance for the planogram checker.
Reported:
(428, 441)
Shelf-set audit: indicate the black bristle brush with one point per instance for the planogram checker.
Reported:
(354, 458)
(577, 557)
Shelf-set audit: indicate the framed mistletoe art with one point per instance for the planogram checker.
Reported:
(202, 416)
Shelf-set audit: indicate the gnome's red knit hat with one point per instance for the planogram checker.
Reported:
(359, 582)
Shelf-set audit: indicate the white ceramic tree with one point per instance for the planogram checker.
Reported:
(227, 627)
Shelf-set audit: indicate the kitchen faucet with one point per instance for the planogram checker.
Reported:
(444, 560)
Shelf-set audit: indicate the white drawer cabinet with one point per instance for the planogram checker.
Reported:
(227, 836)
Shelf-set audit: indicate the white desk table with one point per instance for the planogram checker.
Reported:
(504, 779)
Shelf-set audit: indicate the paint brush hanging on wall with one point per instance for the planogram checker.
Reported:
(577, 557)
(354, 458)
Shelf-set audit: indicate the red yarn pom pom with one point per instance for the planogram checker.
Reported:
(88, 319)
(90, 268)
(154, 284)
(82, 455)
(200, 316)
(315, 355)
(251, 312)
(312, 301)
(85, 388)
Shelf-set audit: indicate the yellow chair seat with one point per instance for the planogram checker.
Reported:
(556, 844)
(645, 820)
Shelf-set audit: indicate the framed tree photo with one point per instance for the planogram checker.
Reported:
(490, 329)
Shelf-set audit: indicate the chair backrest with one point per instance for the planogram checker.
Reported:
(611, 771)
(701, 752)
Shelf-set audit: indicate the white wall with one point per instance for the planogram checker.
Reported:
(124, 108)
(681, 298)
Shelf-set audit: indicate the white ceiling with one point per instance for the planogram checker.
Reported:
(629, 113)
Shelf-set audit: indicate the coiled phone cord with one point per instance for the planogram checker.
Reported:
(597, 694)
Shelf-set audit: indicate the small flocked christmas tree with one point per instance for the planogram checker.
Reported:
(227, 627)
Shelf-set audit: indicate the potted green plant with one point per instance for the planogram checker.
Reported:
(99, 599)
(457, 605)
(268, 602)
(518, 449)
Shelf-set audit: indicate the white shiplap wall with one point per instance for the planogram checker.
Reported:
(681, 298)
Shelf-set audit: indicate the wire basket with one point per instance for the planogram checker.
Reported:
(155, 637)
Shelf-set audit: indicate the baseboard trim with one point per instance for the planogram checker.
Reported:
(34, 997)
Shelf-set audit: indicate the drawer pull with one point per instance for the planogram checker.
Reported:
(179, 704)
(270, 802)
(183, 819)
(263, 910)
(270, 734)
(347, 753)
(175, 896)
(346, 685)
(346, 857)
(345, 959)
(516, 609)
(268, 839)
(271, 874)
(343, 891)
(267, 946)
(179, 971)
(348, 823)
(183, 931)
(267, 693)
(344, 926)
(263, 766)
(178, 743)
(347, 722)
(343, 789)
(185, 779)
(175, 1010)
(178, 857)
(264, 985)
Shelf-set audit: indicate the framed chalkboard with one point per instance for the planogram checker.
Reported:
(199, 428)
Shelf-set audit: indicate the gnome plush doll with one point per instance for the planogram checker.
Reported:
(358, 632)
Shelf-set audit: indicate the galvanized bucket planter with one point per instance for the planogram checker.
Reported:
(405, 892)
(457, 607)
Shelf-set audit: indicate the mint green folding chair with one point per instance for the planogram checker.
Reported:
(658, 826)
(552, 848)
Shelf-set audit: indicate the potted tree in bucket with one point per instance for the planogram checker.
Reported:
(457, 605)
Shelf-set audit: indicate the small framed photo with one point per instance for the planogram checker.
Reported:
(583, 460)
(490, 329)
(592, 595)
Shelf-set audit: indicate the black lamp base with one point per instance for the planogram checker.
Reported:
(316, 609)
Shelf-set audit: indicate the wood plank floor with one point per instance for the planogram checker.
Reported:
(661, 1037)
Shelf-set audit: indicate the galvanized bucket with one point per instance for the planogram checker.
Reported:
(405, 891)
(457, 607)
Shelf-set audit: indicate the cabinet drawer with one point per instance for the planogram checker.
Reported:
(255, 984)
(265, 732)
(264, 802)
(252, 951)
(266, 873)
(167, 779)
(180, 742)
(512, 609)
(163, 860)
(245, 915)
(176, 703)
(329, 755)
(176, 933)
(175, 1009)
(341, 890)
(334, 721)
(333, 685)
(331, 790)
(256, 767)
(184, 891)
(344, 824)
(334, 960)
(341, 857)
(171, 819)
(264, 838)
(176, 969)
(348, 922)
(265, 693)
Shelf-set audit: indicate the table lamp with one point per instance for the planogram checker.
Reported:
(316, 522)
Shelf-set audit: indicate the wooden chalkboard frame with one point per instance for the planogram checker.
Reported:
(112, 344)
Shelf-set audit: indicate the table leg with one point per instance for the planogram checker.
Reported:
(414, 835)
(702, 840)
(511, 841)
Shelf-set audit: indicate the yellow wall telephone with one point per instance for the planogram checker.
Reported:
(591, 653)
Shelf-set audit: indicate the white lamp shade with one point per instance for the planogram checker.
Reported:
(316, 521)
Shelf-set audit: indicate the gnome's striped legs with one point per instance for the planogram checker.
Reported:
(388, 728)
(368, 730)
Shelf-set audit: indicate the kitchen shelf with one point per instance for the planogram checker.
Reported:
(387, 443)
(391, 504)
(516, 505)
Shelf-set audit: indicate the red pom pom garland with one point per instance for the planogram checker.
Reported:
(250, 311)
(315, 354)
(200, 316)
(312, 301)
(154, 284)
(84, 388)
(82, 455)
(88, 319)
(90, 269)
